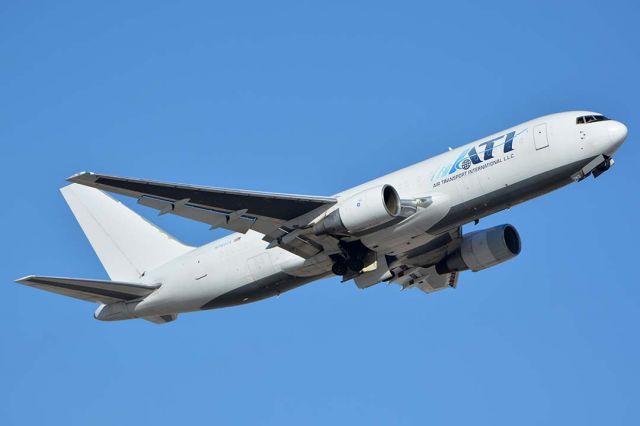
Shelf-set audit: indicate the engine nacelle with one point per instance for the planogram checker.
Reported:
(482, 249)
(362, 211)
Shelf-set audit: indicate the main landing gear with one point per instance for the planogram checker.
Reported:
(352, 260)
(341, 265)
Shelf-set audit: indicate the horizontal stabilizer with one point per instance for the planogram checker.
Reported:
(99, 291)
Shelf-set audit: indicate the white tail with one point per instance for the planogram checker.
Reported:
(126, 244)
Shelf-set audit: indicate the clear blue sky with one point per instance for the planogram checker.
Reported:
(312, 98)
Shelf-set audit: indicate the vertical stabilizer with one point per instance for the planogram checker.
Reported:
(126, 244)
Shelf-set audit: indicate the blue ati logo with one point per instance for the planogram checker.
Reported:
(475, 155)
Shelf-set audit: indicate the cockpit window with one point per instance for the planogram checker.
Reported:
(591, 119)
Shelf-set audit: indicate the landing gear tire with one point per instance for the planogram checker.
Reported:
(339, 268)
(355, 265)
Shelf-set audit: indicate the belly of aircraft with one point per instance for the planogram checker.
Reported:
(263, 288)
(508, 196)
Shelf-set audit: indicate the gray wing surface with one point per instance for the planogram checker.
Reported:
(271, 214)
(416, 268)
(279, 207)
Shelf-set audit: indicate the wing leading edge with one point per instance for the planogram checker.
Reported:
(274, 206)
(271, 214)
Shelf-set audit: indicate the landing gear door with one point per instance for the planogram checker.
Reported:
(540, 136)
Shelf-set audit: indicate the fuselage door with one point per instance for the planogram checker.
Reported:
(540, 136)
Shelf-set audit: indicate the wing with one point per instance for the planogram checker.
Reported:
(274, 215)
(415, 268)
(98, 291)
(426, 279)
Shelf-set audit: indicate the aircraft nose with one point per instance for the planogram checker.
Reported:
(617, 134)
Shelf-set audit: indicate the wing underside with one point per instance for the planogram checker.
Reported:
(416, 268)
(250, 204)
(277, 216)
(426, 279)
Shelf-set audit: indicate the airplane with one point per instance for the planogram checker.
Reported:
(403, 228)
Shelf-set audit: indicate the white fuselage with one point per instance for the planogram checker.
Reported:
(466, 183)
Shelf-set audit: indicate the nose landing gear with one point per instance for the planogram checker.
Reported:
(595, 168)
(603, 167)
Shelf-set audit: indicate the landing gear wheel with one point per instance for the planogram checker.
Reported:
(339, 268)
(355, 265)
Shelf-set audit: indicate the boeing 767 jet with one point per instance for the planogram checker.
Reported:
(405, 227)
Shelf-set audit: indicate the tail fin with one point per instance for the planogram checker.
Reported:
(126, 244)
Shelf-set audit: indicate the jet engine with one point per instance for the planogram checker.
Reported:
(482, 249)
(362, 211)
